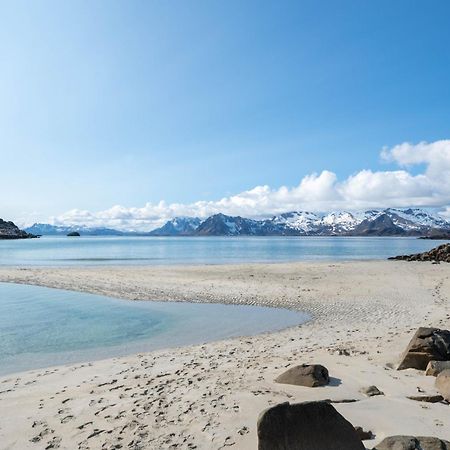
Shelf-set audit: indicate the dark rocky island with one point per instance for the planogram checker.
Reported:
(9, 230)
(437, 254)
(73, 234)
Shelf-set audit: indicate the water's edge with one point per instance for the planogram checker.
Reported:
(177, 324)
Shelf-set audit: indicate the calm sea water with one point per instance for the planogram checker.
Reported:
(210, 250)
(42, 327)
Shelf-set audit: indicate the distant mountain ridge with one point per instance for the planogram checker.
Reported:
(387, 222)
(46, 229)
(62, 230)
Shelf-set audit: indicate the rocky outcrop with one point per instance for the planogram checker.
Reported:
(73, 234)
(427, 344)
(306, 426)
(434, 368)
(305, 375)
(8, 230)
(443, 384)
(413, 443)
(438, 254)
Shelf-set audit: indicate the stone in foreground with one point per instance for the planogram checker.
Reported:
(412, 443)
(428, 344)
(313, 375)
(434, 368)
(443, 384)
(306, 426)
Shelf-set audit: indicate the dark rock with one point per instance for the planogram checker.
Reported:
(434, 368)
(371, 391)
(73, 234)
(306, 426)
(363, 435)
(412, 443)
(443, 384)
(438, 254)
(428, 344)
(427, 398)
(8, 230)
(305, 375)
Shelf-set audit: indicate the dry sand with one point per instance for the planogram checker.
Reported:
(209, 396)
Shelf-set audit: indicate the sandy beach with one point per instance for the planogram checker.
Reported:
(209, 396)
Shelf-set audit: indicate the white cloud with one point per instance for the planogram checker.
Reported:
(315, 192)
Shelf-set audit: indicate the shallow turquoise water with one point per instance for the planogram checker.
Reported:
(201, 250)
(42, 327)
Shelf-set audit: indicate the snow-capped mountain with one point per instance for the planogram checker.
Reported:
(222, 225)
(178, 226)
(387, 222)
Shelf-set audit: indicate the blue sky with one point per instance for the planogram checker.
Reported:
(129, 103)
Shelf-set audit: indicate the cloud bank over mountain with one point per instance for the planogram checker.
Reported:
(422, 179)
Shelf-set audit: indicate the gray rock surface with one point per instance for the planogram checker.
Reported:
(306, 426)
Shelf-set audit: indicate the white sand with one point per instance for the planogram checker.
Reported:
(209, 396)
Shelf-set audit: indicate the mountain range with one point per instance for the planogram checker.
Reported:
(386, 222)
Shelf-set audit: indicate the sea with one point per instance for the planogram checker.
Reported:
(99, 250)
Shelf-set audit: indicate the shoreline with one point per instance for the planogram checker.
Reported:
(363, 315)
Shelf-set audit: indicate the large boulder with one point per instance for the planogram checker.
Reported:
(428, 344)
(306, 426)
(413, 443)
(305, 375)
(443, 384)
(434, 368)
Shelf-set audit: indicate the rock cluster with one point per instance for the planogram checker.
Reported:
(438, 254)
(318, 426)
